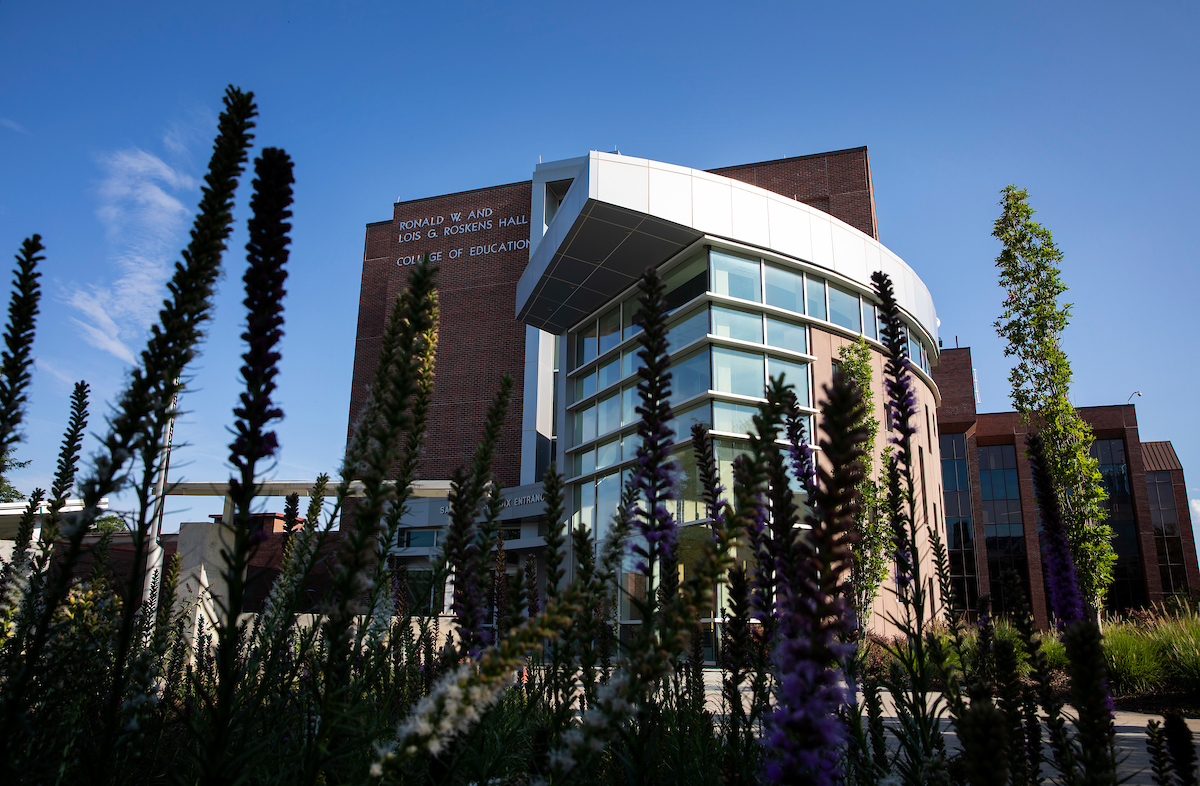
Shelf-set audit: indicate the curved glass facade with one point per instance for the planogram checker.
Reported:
(735, 322)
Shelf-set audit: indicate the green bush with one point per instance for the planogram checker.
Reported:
(1177, 645)
(1132, 657)
(1056, 653)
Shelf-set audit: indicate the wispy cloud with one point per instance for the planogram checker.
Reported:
(189, 133)
(53, 370)
(1195, 503)
(13, 125)
(144, 222)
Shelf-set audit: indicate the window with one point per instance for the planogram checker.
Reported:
(585, 345)
(960, 535)
(690, 376)
(583, 509)
(785, 289)
(794, 374)
(685, 282)
(608, 499)
(735, 418)
(628, 309)
(870, 319)
(681, 423)
(1167, 536)
(420, 538)
(740, 325)
(585, 425)
(816, 297)
(609, 374)
(608, 454)
(691, 328)
(629, 402)
(420, 591)
(610, 330)
(735, 276)
(608, 414)
(584, 386)
(844, 309)
(738, 372)
(1003, 525)
(1128, 589)
(786, 335)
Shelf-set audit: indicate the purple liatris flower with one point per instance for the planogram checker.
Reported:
(799, 451)
(806, 732)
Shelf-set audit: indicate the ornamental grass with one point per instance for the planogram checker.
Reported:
(101, 682)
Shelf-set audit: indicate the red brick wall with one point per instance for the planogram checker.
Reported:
(957, 386)
(479, 338)
(838, 183)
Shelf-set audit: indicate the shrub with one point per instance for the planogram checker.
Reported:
(1176, 641)
(1133, 658)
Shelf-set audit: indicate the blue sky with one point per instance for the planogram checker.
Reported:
(107, 114)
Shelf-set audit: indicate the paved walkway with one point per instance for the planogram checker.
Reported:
(1130, 726)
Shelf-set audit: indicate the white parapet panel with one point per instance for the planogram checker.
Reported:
(618, 207)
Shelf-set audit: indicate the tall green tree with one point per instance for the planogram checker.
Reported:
(1033, 322)
(871, 562)
(9, 492)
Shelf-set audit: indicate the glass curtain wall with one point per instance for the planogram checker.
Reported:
(734, 322)
(1128, 589)
(1003, 525)
(1168, 539)
(960, 535)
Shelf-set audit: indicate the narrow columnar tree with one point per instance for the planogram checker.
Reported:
(1032, 322)
(870, 566)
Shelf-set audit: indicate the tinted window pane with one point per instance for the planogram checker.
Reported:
(584, 386)
(816, 297)
(628, 309)
(741, 325)
(786, 335)
(795, 374)
(609, 374)
(629, 446)
(785, 289)
(737, 372)
(688, 330)
(587, 461)
(682, 422)
(586, 421)
(870, 323)
(608, 454)
(629, 363)
(585, 345)
(609, 414)
(685, 282)
(608, 497)
(610, 330)
(1010, 483)
(585, 505)
(733, 417)
(914, 348)
(735, 276)
(843, 309)
(629, 400)
(689, 377)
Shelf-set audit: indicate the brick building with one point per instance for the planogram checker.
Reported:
(767, 268)
(991, 513)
